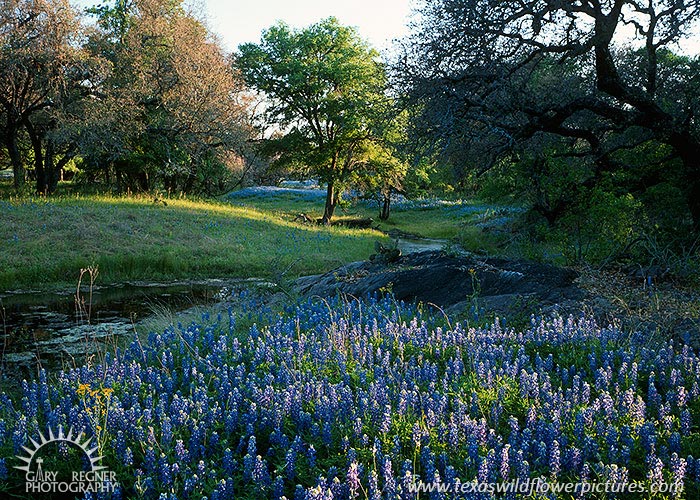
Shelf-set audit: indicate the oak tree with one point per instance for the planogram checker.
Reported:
(589, 79)
(43, 71)
(325, 91)
(172, 112)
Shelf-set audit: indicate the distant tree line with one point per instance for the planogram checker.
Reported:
(141, 96)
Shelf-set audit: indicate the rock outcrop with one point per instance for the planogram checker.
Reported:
(452, 282)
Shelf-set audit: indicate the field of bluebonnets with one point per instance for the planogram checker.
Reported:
(345, 399)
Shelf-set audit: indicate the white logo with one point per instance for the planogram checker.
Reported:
(39, 480)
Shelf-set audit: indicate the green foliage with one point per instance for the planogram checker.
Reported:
(666, 210)
(44, 75)
(172, 113)
(599, 226)
(427, 178)
(327, 90)
(587, 212)
(553, 120)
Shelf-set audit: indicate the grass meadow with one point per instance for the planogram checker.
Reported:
(46, 242)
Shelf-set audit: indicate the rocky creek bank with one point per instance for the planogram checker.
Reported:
(455, 283)
(475, 288)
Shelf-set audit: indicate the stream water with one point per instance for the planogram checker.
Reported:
(42, 327)
(55, 328)
(413, 245)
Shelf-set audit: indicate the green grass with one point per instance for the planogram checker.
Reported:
(46, 242)
(423, 222)
(428, 223)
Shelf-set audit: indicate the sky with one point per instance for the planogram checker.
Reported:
(377, 21)
(241, 21)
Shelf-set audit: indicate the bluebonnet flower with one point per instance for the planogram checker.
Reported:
(321, 492)
(190, 483)
(248, 464)
(19, 435)
(278, 488)
(353, 477)
(290, 463)
(166, 432)
(579, 426)
(696, 469)
(473, 451)
(311, 457)
(407, 481)
(164, 471)
(300, 494)
(555, 459)
(674, 442)
(484, 472)
(388, 477)
(655, 468)
(181, 452)
(678, 469)
(128, 457)
(260, 474)
(647, 434)
(150, 460)
(229, 463)
(685, 420)
(214, 439)
(379, 384)
(427, 461)
(374, 493)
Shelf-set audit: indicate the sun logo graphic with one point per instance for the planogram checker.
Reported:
(41, 479)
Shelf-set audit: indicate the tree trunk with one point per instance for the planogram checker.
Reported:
(55, 170)
(692, 182)
(143, 181)
(122, 183)
(331, 201)
(41, 180)
(50, 175)
(188, 185)
(15, 158)
(386, 206)
(551, 214)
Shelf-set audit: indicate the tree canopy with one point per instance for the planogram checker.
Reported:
(587, 81)
(325, 92)
(144, 98)
(43, 72)
(173, 111)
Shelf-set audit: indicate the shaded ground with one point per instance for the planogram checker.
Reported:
(660, 307)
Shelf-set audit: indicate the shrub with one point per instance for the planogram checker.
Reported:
(600, 225)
